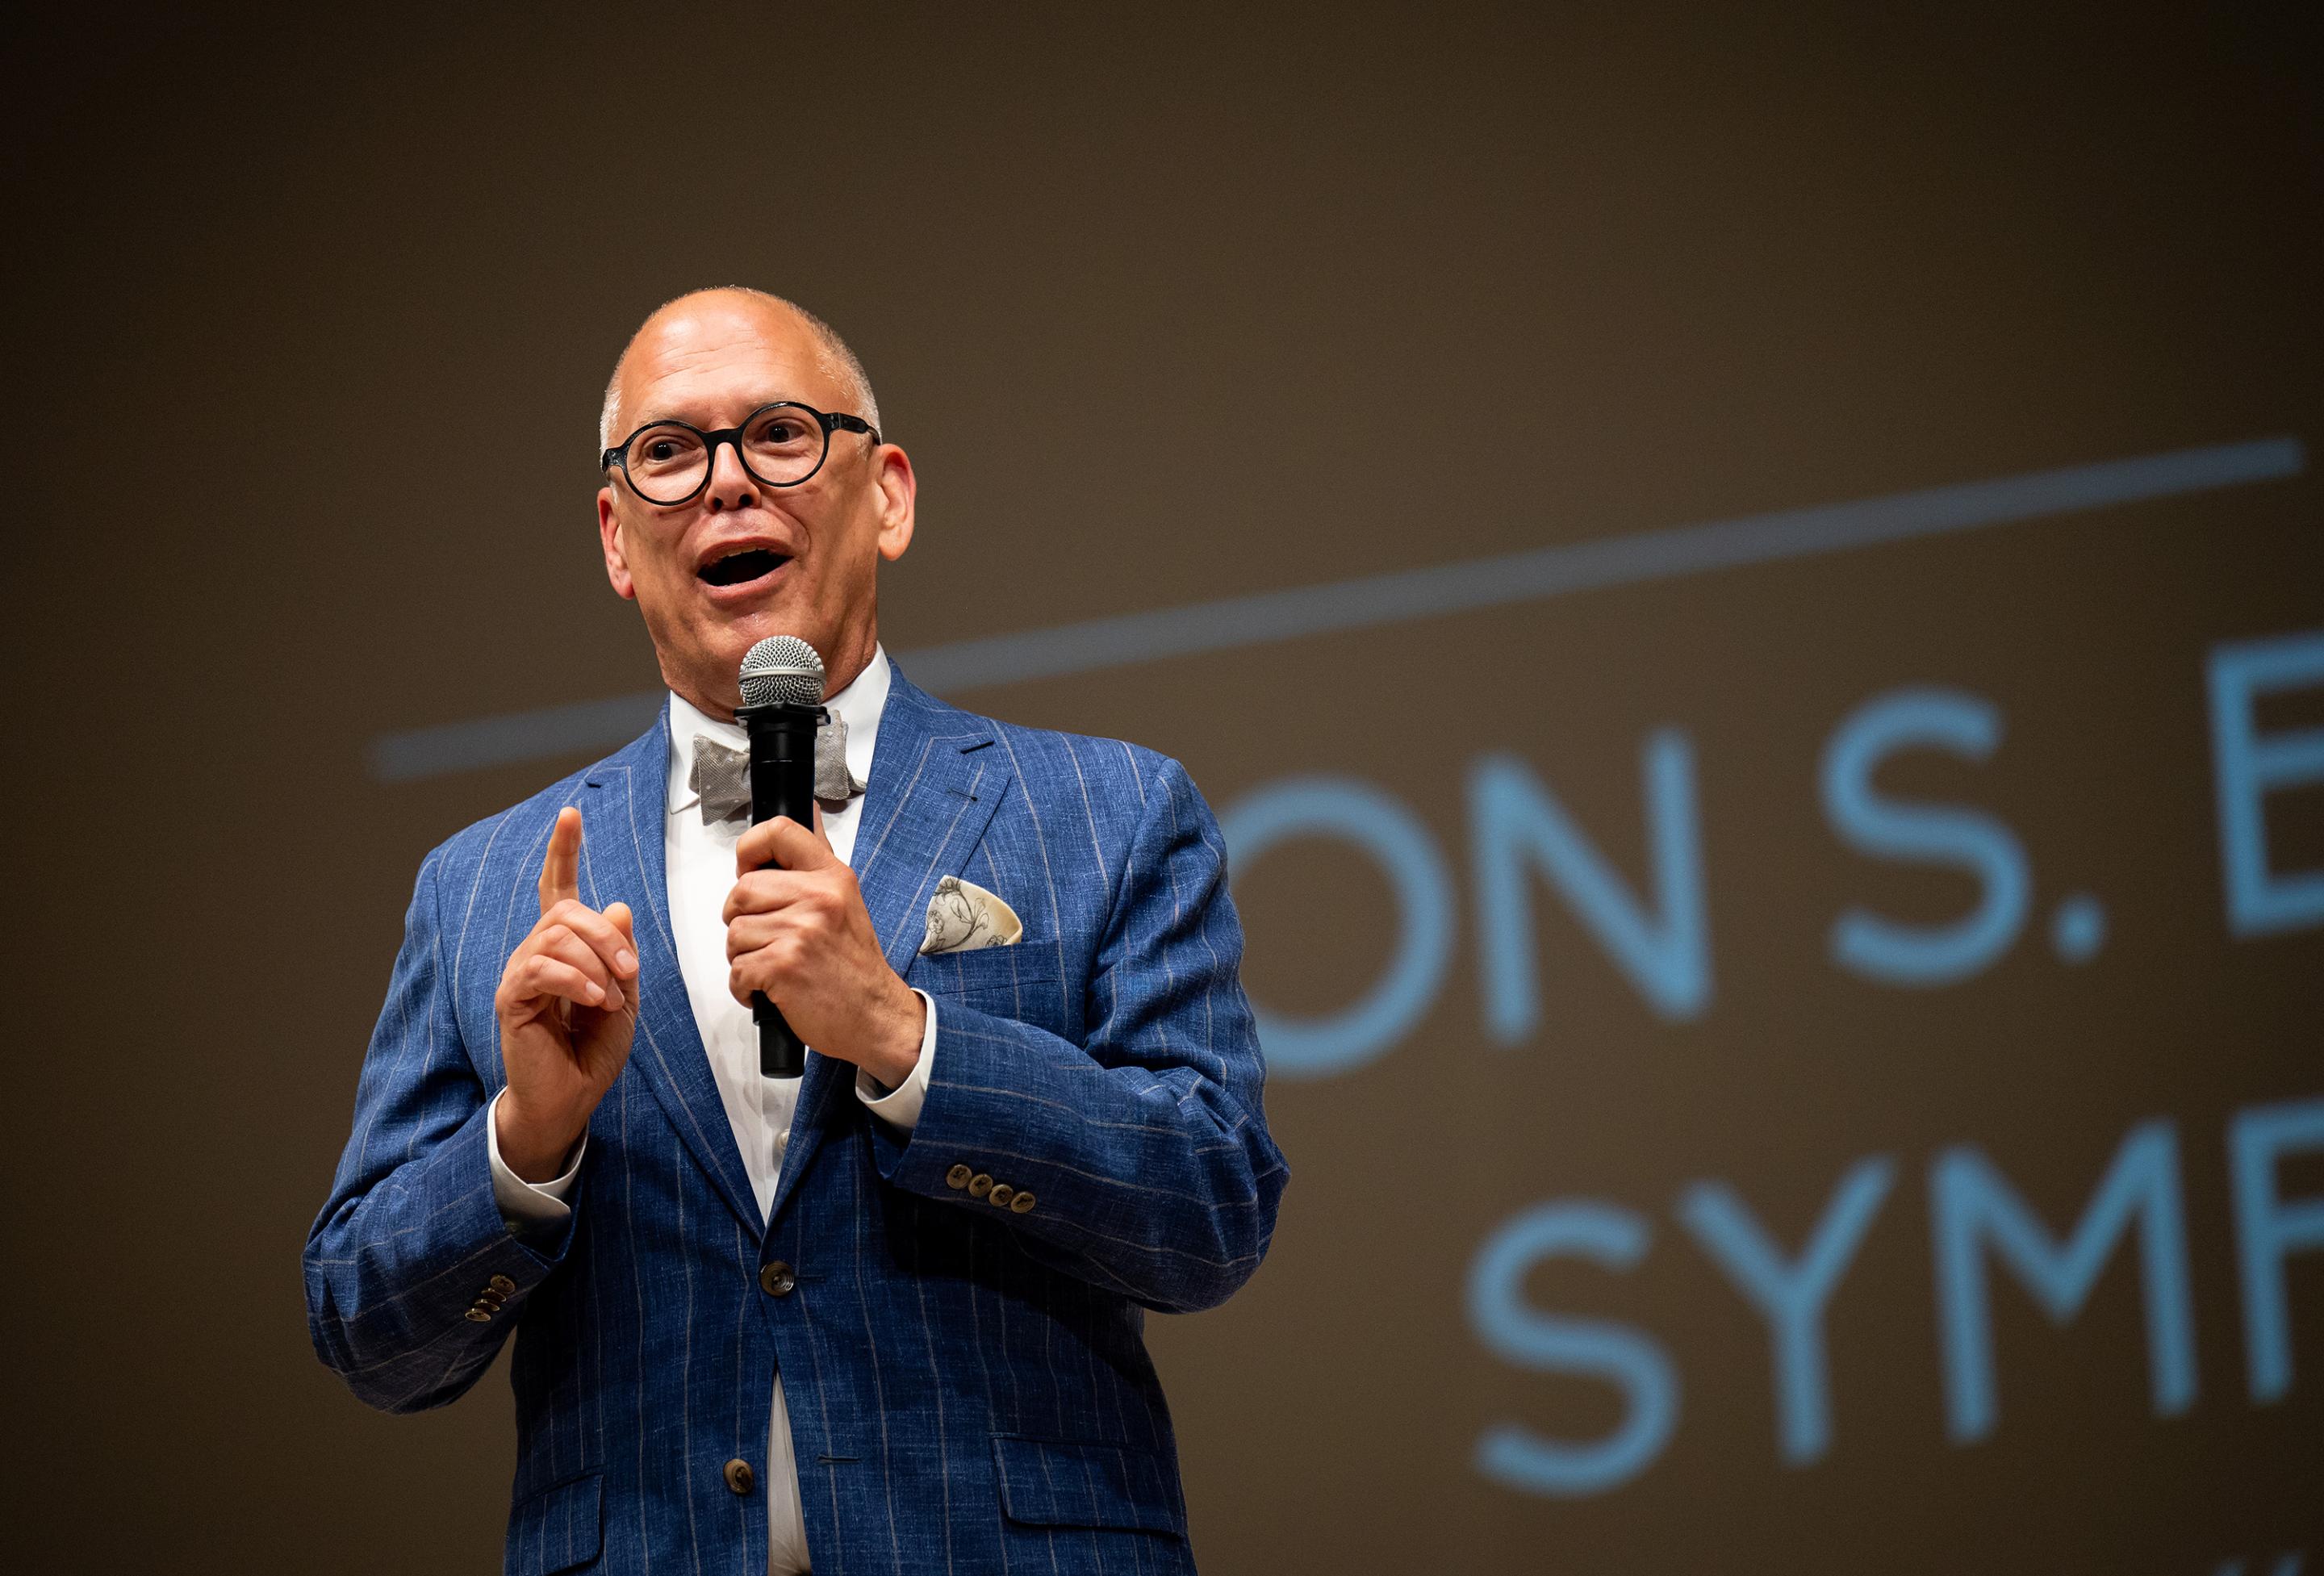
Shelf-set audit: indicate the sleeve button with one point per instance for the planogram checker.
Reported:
(1021, 1204)
(979, 1185)
(957, 1176)
(1000, 1196)
(502, 1285)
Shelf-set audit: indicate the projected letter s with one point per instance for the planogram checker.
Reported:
(1512, 1454)
(1910, 954)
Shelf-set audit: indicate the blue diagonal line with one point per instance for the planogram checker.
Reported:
(1412, 594)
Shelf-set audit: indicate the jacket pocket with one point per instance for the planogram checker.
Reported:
(1051, 1482)
(1025, 982)
(988, 969)
(557, 1529)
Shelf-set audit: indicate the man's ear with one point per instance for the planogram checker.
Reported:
(899, 492)
(609, 534)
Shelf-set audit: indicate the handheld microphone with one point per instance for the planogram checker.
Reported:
(782, 704)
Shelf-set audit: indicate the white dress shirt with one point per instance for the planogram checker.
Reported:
(700, 861)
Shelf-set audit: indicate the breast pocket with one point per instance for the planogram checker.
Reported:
(1026, 981)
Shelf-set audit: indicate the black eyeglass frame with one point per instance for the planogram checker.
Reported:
(829, 420)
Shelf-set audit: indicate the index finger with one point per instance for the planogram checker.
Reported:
(560, 868)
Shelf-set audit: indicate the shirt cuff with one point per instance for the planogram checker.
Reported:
(521, 1203)
(900, 1106)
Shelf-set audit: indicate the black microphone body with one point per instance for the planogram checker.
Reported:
(782, 783)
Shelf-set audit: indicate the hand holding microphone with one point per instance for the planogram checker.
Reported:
(801, 946)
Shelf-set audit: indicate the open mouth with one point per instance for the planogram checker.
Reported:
(740, 568)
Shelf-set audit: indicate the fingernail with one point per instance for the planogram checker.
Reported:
(595, 994)
(626, 960)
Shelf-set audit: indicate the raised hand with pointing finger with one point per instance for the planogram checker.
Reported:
(567, 1006)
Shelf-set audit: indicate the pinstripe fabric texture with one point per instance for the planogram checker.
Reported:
(969, 1388)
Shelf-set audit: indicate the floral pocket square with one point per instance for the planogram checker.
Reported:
(963, 916)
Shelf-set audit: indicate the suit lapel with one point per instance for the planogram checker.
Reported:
(935, 781)
(622, 859)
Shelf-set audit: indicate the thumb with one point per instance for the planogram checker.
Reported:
(619, 914)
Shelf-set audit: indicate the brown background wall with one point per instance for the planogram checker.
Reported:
(312, 319)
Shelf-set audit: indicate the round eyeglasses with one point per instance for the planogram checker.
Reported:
(781, 445)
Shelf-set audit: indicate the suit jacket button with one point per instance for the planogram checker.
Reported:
(979, 1185)
(502, 1285)
(1021, 1204)
(957, 1176)
(478, 1316)
(1000, 1196)
(739, 1476)
(775, 1278)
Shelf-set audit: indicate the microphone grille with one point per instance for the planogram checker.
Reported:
(782, 670)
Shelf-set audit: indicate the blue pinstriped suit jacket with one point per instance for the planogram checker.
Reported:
(968, 1386)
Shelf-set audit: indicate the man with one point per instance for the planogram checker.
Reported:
(886, 1317)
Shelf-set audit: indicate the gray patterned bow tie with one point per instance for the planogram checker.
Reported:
(722, 776)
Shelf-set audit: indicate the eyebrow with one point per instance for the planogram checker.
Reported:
(653, 418)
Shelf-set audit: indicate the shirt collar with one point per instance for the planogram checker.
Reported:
(860, 706)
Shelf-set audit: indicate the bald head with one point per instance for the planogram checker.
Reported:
(705, 313)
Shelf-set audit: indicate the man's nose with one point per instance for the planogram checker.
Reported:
(731, 487)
